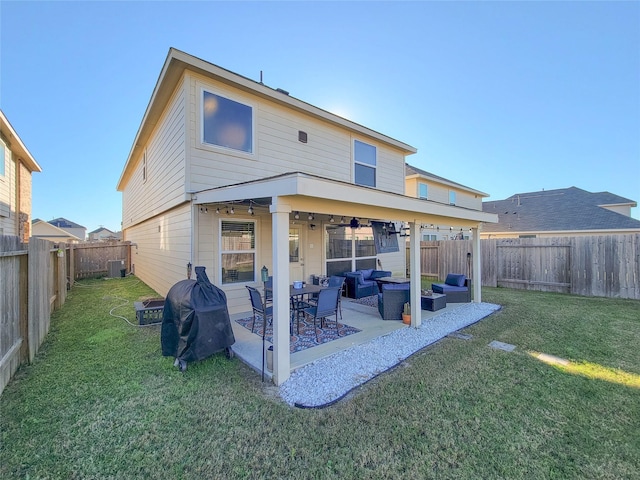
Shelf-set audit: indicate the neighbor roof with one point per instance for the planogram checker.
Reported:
(64, 223)
(101, 229)
(571, 209)
(411, 170)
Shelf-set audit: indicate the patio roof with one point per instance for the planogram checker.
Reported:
(321, 195)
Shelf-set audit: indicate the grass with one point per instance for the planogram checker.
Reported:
(101, 402)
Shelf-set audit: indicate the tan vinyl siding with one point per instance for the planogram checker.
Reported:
(437, 192)
(208, 251)
(164, 186)
(162, 248)
(395, 262)
(327, 153)
(390, 170)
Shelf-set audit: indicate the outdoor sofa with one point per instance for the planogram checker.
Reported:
(391, 300)
(362, 283)
(456, 287)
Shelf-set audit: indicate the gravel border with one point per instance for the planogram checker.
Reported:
(325, 381)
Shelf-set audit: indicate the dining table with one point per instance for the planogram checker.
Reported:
(299, 303)
(297, 298)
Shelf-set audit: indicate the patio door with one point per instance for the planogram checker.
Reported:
(296, 253)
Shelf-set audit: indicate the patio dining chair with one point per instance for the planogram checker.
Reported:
(298, 306)
(259, 310)
(327, 305)
(338, 281)
(268, 290)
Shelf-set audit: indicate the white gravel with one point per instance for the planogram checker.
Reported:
(328, 379)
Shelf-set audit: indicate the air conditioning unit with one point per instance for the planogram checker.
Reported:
(114, 267)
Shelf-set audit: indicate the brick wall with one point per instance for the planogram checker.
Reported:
(24, 202)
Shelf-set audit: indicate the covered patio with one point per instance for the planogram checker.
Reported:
(277, 201)
(366, 318)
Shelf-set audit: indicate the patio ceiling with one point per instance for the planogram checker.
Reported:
(310, 193)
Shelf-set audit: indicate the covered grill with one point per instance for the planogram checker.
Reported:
(195, 322)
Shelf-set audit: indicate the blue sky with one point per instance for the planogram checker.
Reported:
(504, 97)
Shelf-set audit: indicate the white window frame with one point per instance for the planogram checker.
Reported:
(215, 147)
(364, 164)
(426, 191)
(3, 154)
(253, 251)
(144, 166)
(452, 197)
(353, 258)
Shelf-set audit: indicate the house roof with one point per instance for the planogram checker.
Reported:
(64, 223)
(565, 209)
(16, 144)
(175, 65)
(48, 230)
(101, 229)
(410, 170)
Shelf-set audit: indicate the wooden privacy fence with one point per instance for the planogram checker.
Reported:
(32, 285)
(34, 279)
(89, 260)
(597, 265)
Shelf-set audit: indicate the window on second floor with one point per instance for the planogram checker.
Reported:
(365, 160)
(144, 166)
(422, 191)
(226, 123)
(452, 197)
(2, 160)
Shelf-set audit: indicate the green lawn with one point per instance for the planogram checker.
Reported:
(101, 402)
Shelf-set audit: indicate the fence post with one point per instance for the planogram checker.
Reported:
(72, 265)
(23, 285)
(61, 277)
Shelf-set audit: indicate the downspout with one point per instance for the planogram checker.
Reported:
(194, 229)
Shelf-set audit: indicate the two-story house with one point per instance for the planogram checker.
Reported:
(231, 174)
(103, 234)
(432, 188)
(53, 232)
(16, 167)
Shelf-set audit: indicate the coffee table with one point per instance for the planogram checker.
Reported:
(433, 302)
(395, 280)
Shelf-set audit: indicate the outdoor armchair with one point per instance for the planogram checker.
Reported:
(392, 299)
(456, 287)
(362, 283)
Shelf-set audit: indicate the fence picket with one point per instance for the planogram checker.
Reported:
(598, 265)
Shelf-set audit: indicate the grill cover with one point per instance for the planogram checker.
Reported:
(195, 322)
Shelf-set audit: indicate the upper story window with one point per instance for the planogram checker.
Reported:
(2, 160)
(422, 191)
(365, 159)
(144, 166)
(452, 197)
(227, 123)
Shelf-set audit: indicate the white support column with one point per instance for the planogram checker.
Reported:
(416, 274)
(280, 242)
(477, 272)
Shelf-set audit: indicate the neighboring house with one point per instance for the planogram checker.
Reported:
(562, 212)
(228, 173)
(103, 235)
(432, 188)
(16, 167)
(47, 231)
(70, 227)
